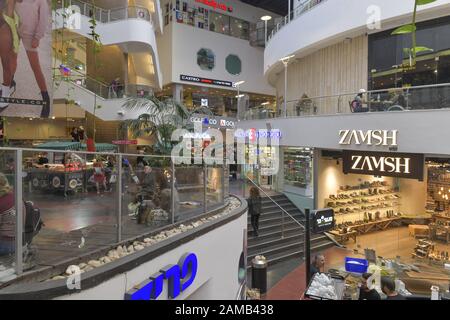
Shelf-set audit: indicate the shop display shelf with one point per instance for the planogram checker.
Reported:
(364, 204)
(362, 189)
(364, 197)
(365, 210)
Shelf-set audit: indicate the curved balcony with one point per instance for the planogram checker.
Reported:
(131, 27)
(318, 24)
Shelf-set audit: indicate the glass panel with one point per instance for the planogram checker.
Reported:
(219, 23)
(206, 59)
(7, 215)
(240, 28)
(190, 191)
(233, 64)
(75, 197)
(146, 194)
(214, 190)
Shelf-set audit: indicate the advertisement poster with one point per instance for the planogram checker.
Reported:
(26, 59)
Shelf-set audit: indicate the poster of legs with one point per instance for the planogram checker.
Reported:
(25, 53)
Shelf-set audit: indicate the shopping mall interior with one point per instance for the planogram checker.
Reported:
(239, 149)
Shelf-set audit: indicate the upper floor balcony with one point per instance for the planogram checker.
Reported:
(404, 99)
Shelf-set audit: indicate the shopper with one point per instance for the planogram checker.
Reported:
(140, 161)
(365, 293)
(388, 288)
(317, 265)
(148, 182)
(254, 208)
(74, 134)
(99, 176)
(358, 102)
(7, 217)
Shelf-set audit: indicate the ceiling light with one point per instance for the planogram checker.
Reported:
(239, 83)
(266, 18)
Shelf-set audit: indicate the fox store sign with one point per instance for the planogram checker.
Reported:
(179, 277)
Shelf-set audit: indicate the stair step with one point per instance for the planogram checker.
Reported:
(277, 226)
(275, 218)
(293, 253)
(275, 242)
(273, 234)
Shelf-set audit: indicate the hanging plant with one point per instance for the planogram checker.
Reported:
(412, 29)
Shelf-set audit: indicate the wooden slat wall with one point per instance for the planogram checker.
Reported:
(333, 70)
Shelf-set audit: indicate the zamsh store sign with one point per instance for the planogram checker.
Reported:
(400, 165)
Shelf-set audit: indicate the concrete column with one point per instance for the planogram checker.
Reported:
(177, 92)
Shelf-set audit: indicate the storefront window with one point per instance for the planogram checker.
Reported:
(206, 59)
(204, 18)
(387, 55)
(298, 172)
(404, 222)
(233, 64)
(240, 28)
(219, 23)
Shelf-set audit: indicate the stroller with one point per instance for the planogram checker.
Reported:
(33, 224)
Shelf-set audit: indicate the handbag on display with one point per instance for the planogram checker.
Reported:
(135, 179)
(91, 179)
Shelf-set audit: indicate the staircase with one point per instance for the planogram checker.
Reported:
(269, 242)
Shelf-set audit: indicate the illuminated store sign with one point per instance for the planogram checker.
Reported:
(213, 82)
(216, 5)
(323, 220)
(179, 277)
(400, 165)
(213, 122)
(369, 137)
(254, 134)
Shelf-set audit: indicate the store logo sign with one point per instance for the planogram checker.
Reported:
(213, 122)
(369, 137)
(323, 220)
(179, 277)
(213, 82)
(216, 5)
(384, 164)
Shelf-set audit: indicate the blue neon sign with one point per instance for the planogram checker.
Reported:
(179, 277)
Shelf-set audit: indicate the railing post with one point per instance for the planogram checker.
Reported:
(173, 190)
(205, 188)
(19, 213)
(223, 181)
(119, 198)
(307, 249)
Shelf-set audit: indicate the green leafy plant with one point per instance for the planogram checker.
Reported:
(160, 119)
(412, 29)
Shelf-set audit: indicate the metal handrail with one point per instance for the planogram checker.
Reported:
(284, 211)
(375, 91)
(106, 12)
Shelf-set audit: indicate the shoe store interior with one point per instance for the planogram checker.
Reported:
(397, 218)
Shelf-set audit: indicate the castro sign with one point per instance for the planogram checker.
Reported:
(400, 165)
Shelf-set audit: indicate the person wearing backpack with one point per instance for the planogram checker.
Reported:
(7, 217)
(358, 102)
(254, 208)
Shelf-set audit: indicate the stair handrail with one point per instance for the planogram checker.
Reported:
(282, 210)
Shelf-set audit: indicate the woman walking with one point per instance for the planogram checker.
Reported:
(254, 208)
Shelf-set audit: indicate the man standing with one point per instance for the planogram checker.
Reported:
(318, 265)
(388, 287)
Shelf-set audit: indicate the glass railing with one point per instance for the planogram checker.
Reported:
(106, 91)
(108, 15)
(387, 100)
(304, 7)
(91, 201)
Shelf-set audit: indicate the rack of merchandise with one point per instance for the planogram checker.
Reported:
(297, 167)
(366, 207)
